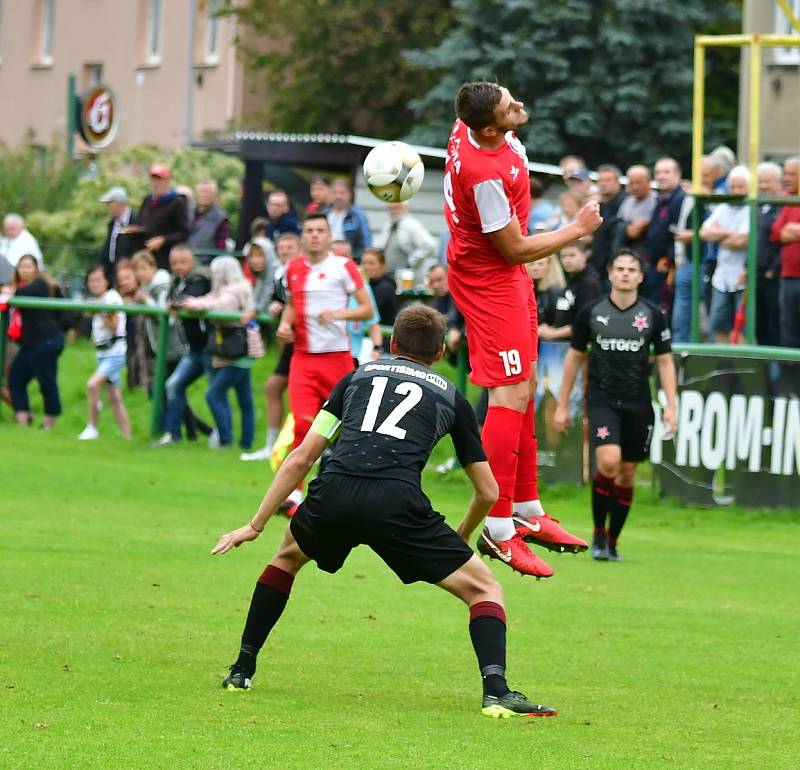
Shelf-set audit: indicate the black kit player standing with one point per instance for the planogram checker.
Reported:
(386, 418)
(620, 330)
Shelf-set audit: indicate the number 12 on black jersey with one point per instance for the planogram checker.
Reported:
(389, 427)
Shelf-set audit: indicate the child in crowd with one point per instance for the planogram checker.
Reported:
(108, 336)
(261, 265)
(569, 205)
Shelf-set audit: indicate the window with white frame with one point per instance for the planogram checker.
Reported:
(784, 27)
(211, 47)
(153, 40)
(46, 24)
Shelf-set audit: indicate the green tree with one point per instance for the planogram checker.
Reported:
(337, 66)
(610, 80)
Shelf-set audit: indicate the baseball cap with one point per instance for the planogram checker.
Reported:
(579, 173)
(116, 195)
(160, 171)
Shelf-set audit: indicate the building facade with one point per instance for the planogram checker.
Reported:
(780, 82)
(139, 48)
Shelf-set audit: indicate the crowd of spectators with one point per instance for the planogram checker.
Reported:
(174, 251)
(652, 213)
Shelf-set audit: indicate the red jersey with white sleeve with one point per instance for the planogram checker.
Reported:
(314, 288)
(484, 189)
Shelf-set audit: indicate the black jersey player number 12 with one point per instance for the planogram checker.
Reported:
(389, 427)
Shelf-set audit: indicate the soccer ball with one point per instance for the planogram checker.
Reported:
(393, 172)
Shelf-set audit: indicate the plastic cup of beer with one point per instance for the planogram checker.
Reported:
(405, 279)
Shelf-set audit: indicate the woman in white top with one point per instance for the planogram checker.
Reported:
(108, 336)
(729, 226)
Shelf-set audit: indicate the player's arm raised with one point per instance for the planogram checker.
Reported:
(518, 249)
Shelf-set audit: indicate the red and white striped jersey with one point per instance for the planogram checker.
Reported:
(313, 288)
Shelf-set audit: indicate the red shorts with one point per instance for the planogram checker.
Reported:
(312, 377)
(501, 325)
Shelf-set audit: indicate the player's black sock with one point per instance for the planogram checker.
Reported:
(269, 599)
(487, 629)
(620, 508)
(602, 491)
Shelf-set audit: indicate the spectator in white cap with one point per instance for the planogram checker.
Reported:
(17, 241)
(117, 246)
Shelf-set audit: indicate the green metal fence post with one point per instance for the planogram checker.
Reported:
(3, 329)
(752, 267)
(461, 372)
(697, 268)
(159, 375)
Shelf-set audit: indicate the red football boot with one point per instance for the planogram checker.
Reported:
(515, 553)
(545, 531)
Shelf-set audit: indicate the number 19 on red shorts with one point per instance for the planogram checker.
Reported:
(512, 363)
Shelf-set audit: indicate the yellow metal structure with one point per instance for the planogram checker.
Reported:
(755, 43)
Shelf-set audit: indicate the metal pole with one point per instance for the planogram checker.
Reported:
(754, 129)
(462, 362)
(3, 329)
(698, 112)
(696, 272)
(71, 109)
(159, 375)
(754, 132)
(190, 73)
(752, 267)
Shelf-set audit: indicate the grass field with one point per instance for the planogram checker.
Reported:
(117, 627)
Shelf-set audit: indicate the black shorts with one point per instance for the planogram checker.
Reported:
(394, 518)
(628, 424)
(282, 367)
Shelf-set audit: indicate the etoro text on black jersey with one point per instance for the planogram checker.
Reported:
(619, 343)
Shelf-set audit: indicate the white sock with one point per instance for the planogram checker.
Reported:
(296, 496)
(527, 509)
(500, 527)
(272, 437)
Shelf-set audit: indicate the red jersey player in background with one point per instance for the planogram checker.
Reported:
(487, 195)
(318, 288)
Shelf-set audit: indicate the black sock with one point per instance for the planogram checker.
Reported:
(602, 491)
(487, 629)
(269, 600)
(620, 508)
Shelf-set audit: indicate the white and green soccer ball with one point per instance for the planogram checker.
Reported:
(393, 171)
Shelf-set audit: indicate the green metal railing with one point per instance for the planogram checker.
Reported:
(738, 351)
(159, 374)
(752, 255)
(162, 314)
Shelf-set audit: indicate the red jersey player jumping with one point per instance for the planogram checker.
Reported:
(487, 195)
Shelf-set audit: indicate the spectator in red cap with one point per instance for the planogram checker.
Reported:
(163, 219)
